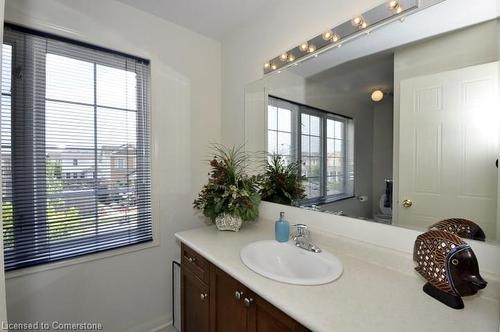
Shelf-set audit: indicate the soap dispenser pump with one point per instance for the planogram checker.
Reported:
(282, 229)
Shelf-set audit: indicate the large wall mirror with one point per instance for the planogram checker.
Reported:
(395, 127)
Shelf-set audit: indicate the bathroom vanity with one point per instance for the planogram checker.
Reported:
(219, 293)
(212, 300)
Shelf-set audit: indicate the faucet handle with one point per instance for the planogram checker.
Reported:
(302, 229)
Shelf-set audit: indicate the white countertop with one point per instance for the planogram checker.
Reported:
(378, 291)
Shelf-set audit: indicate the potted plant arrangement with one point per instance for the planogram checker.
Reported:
(231, 196)
(281, 182)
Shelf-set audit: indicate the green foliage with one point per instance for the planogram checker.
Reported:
(282, 183)
(229, 189)
(54, 176)
(61, 221)
(8, 224)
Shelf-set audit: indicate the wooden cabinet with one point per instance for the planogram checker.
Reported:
(264, 317)
(214, 301)
(195, 296)
(228, 314)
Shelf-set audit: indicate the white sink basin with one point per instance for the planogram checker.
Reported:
(286, 263)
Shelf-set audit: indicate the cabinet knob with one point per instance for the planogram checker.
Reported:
(203, 296)
(191, 259)
(238, 295)
(248, 301)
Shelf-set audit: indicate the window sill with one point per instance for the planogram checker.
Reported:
(327, 200)
(83, 259)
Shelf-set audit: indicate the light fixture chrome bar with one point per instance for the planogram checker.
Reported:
(337, 36)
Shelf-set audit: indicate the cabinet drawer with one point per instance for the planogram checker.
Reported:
(195, 263)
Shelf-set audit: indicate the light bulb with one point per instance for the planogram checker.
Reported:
(303, 47)
(273, 66)
(283, 57)
(267, 65)
(393, 4)
(335, 38)
(327, 35)
(377, 95)
(311, 48)
(291, 58)
(357, 21)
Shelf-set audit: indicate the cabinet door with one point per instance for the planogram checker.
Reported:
(228, 314)
(195, 304)
(264, 317)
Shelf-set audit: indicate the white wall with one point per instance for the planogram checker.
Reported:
(383, 114)
(131, 292)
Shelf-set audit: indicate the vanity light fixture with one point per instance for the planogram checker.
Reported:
(364, 23)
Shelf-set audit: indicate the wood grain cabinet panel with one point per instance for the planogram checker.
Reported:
(228, 314)
(264, 317)
(195, 303)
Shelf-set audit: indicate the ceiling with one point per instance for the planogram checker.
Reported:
(353, 81)
(212, 18)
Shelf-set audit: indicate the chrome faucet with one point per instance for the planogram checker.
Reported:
(302, 238)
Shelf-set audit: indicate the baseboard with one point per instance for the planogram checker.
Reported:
(162, 327)
(160, 324)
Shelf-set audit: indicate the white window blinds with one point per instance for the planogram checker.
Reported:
(75, 149)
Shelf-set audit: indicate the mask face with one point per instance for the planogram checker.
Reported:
(464, 272)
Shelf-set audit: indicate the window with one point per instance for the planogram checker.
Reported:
(67, 110)
(120, 163)
(280, 129)
(326, 148)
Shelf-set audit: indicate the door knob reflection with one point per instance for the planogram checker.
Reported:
(407, 203)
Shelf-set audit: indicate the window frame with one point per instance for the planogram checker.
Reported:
(88, 254)
(324, 198)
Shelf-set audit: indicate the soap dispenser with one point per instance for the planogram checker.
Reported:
(282, 229)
